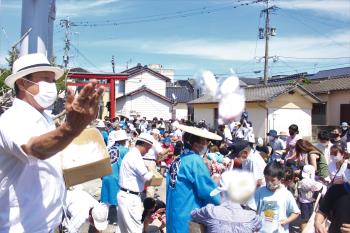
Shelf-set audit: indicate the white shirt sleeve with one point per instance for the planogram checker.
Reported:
(141, 169)
(13, 146)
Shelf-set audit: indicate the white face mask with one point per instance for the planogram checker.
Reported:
(47, 93)
(204, 150)
(337, 158)
(344, 128)
(272, 186)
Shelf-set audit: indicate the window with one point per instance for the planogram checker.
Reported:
(319, 114)
(345, 113)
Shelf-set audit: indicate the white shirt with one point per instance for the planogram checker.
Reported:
(332, 168)
(152, 154)
(133, 172)
(255, 164)
(31, 190)
(178, 134)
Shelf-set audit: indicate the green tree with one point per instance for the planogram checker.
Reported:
(12, 56)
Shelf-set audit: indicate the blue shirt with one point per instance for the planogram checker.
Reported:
(110, 184)
(274, 207)
(188, 187)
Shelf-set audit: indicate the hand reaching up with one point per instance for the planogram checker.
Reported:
(83, 109)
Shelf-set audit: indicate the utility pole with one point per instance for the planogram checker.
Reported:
(113, 64)
(66, 24)
(265, 34)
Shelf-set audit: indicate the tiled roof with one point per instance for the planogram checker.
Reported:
(249, 81)
(182, 94)
(345, 71)
(261, 93)
(139, 69)
(326, 85)
(145, 89)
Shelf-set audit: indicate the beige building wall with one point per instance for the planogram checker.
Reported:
(257, 114)
(181, 111)
(334, 100)
(206, 114)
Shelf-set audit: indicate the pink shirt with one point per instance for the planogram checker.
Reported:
(291, 141)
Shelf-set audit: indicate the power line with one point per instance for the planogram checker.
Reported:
(314, 29)
(86, 59)
(315, 58)
(161, 17)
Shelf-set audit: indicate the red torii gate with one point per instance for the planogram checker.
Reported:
(110, 78)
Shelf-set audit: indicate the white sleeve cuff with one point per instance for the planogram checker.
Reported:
(148, 176)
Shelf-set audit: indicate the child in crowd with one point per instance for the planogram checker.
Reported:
(153, 216)
(274, 203)
(307, 191)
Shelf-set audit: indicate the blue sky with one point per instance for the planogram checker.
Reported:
(222, 40)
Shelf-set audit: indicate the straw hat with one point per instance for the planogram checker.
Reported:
(203, 133)
(31, 63)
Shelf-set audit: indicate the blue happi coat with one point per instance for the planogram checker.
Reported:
(110, 183)
(188, 187)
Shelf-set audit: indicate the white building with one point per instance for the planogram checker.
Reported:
(144, 94)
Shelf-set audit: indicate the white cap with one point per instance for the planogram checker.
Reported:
(308, 172)
(100, 215)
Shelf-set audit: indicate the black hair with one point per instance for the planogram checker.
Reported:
(274, 169)
(150, 206)
(324, 135)
(140, 143)
(294, 128)
(190, 139)
(16, 88)
(178, 148)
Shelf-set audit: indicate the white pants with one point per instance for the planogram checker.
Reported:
(130, 210)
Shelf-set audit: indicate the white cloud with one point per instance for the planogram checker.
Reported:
(86, 7)
(239, 50)
(339, 9)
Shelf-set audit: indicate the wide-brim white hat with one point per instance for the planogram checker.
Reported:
(31, 63)
(203, 133)
(120, 135)
(145, 137)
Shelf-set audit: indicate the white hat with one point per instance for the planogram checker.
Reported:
(239, 185)
(308, 172)
(145, 137)
(100, 215)
(120, 135)
(203, 133)
(344, 124)
(155, 131)
(100, 124)
(31, 63)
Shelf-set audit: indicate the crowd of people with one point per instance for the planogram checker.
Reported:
(221, 179)
(289, 173)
